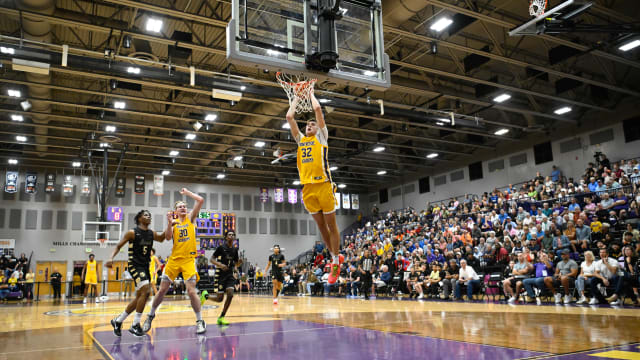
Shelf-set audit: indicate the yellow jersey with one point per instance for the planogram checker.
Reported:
(313, 164)
(152, 265)
(92, 267)
(184, 240)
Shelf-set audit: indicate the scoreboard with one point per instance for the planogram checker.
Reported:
(114, 214)
(214, 224)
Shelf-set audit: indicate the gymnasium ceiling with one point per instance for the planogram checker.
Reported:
(475, 61)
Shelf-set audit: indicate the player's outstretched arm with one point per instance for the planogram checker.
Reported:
(198, 205)
(128, 236)
(293, 126)
(317, 109)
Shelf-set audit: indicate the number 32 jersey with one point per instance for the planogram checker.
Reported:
(313, 163)
(184, 240)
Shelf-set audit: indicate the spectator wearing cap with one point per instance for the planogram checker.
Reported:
(566, 273)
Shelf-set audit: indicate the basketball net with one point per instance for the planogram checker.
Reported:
(103, 243)
(298, 86)
(537, 7)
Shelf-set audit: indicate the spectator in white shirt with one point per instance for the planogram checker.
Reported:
(606, 273)
(467, 276)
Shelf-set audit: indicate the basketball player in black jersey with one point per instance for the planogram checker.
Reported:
(140, 241)
(226, 259)
(277, 263)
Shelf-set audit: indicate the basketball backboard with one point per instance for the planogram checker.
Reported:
(284, 35)
(554, 20)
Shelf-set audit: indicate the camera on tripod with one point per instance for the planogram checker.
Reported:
(597, 156)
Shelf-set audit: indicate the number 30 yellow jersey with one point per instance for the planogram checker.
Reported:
(313, 164)
(184, 240)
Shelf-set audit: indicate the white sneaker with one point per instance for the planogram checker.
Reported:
(582, 300)
(567, 299)
(558, 298)
(616, 303)
(421, 296)
(275, 301)
(538, 301)
(399, 293)
(84, 301)
(511, 300)
(593, 301)
(97, 300)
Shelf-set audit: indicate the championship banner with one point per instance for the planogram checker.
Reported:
(345, 201)
(139, 184)
(264, 194)
(85, 185)
(338, 200)
(158, 185)
(11, 184)
(31, 180)
(292, 195)
(121, 184)
(50, 183)
(355, 201)
(67, 185)
(278, 195)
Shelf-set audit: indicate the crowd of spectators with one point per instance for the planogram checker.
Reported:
(545, 237)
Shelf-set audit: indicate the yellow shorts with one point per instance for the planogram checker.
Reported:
(186, 266)
(319, 198)
(91, 279)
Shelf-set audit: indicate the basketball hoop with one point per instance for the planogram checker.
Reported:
(298, 86)
(537, 7)
(103, 243)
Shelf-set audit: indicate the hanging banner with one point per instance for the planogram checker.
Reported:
(85, 185)
(139, 184)
(158, 185)
(355, 201)
(338, 200)
(278, 195)
(30, 182)
(50, 183)
(121, 184)
(264, 194)
(292, 195)
(345, 201)
(11, 184)
(67, 185)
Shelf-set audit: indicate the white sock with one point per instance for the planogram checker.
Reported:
(122, 316)
(153, 311)
(136, 318)
(198, 316)
(336, 259)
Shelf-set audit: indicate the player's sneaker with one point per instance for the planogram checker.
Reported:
(275, 301)
(204, 295)
(117, 327)
(136, 330)
(201, 327)
(335, 272)
(222, 321)
(147, 323)
(84, 301)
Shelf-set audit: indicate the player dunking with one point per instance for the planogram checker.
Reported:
(277, 262)
(225, 258)
(313, 167)
(182, 259)
(140, 241)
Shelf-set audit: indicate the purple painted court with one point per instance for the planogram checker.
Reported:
(292, 339)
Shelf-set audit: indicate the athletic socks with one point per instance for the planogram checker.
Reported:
(336, 259)
(153, 311)
(136, 318)
(198, 316)
(122, 317)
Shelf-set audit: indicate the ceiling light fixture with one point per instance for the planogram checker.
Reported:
(502, 98)
(259, 144)
(324, 101)
(110, 128)
(432, 155)
(14, 93)
(133, 70)
(15, 117)
(221, 176)
(378, 148)
(562, 110)
(630, 45)
(210, 117)
(119, 104)
(237, 158)
(501, 132)
(441, 24)
(333, 168)
(286, 126)
(382, 172)
(21, 138)
(370, 73)
(76, 164)
(154, 25)
(243, 88)
(174, 153)
(13, 161)
(342, 186)
(166, 172)
(190, 136)
(104, 145)
(25, 105)
(7, 50)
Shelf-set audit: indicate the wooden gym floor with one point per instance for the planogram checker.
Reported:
(315, 327)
